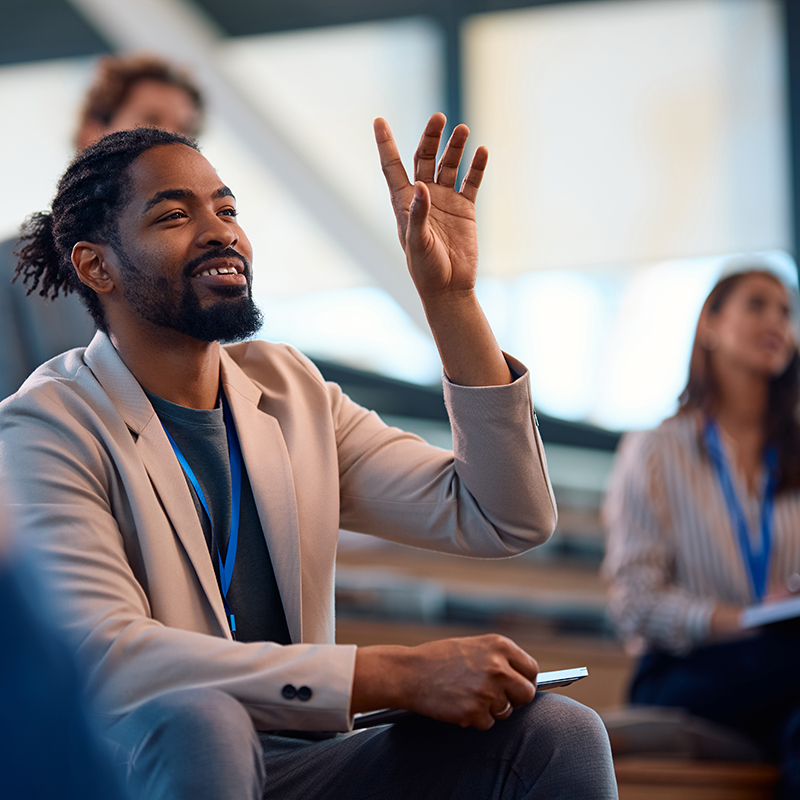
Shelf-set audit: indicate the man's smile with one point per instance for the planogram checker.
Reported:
(220, 268)
(221, 272)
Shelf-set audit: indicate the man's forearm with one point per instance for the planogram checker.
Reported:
(468, 349)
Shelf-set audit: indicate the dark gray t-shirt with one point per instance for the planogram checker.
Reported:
(253, 594)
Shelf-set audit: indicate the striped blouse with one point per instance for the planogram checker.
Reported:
(672, 552)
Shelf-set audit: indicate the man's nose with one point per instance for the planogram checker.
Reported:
(218, 232)
(776, 317)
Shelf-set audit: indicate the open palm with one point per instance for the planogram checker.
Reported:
(435, 222)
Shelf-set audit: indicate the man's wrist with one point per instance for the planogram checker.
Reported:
(469, 352)
(380, 678)
(448, 308)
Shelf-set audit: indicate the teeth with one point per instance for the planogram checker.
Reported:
(221, 271)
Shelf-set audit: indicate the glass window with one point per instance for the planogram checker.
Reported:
(635, 146)
(40, 102)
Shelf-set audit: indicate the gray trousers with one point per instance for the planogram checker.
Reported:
(199, 744)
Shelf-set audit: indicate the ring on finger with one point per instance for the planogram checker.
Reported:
(504, 712)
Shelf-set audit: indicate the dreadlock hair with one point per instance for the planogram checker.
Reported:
(701, 394)
(90, 195)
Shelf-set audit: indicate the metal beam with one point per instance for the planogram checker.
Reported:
(249, 17)
(791, 19)
(179, 30)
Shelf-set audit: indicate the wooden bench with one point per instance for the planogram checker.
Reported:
(666, 754)
(647, 778)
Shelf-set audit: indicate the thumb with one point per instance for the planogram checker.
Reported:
(418, 215)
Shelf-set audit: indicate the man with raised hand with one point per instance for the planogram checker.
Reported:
(185, 500)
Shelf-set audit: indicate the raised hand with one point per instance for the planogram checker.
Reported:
(435, 223)
(436, 226)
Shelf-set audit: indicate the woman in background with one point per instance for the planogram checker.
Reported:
(703, 515)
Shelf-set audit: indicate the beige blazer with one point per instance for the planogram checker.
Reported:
(97, 492)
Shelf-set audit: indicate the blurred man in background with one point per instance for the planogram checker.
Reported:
(127, 92)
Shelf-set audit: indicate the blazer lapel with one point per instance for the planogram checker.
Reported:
(159, 461)
(169, 483)
(270, 473)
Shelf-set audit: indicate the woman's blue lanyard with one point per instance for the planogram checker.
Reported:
(756, 561)
(234, 453)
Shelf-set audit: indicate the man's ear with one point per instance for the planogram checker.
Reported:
(89, 262)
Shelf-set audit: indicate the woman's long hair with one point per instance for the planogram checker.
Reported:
(702, 392)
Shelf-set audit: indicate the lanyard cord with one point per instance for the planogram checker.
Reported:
(756, 561)
(226, 564)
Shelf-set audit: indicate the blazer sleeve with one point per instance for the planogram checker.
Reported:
(490, 498)
(646, 604)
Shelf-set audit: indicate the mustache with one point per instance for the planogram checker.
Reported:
(219, 252)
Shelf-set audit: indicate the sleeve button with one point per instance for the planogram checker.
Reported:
(304, 693)
(289, 692)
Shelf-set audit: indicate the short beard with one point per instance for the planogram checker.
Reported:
(155, 300)
(225, 321)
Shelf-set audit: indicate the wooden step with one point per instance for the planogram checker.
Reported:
(642, 778)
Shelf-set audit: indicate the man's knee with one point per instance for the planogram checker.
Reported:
(186, 742)
(563, 750)
(559, 717)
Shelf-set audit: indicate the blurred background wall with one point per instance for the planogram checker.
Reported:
(637, 149)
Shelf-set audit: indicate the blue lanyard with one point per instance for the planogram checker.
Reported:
(235, 455)
(756, 561)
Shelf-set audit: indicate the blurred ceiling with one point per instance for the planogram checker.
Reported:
(44, 29)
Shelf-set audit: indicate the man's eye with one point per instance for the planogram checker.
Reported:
(229, 212)
(173, 215)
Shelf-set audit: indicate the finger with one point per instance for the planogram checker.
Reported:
(472, 180)
(392, 166)
(482, 720)
(425, 156)
(520, 692)
(520, 687)
(447, 171)
(505, 712)
(524, 663)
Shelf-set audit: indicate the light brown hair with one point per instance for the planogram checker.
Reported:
(115, 77)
